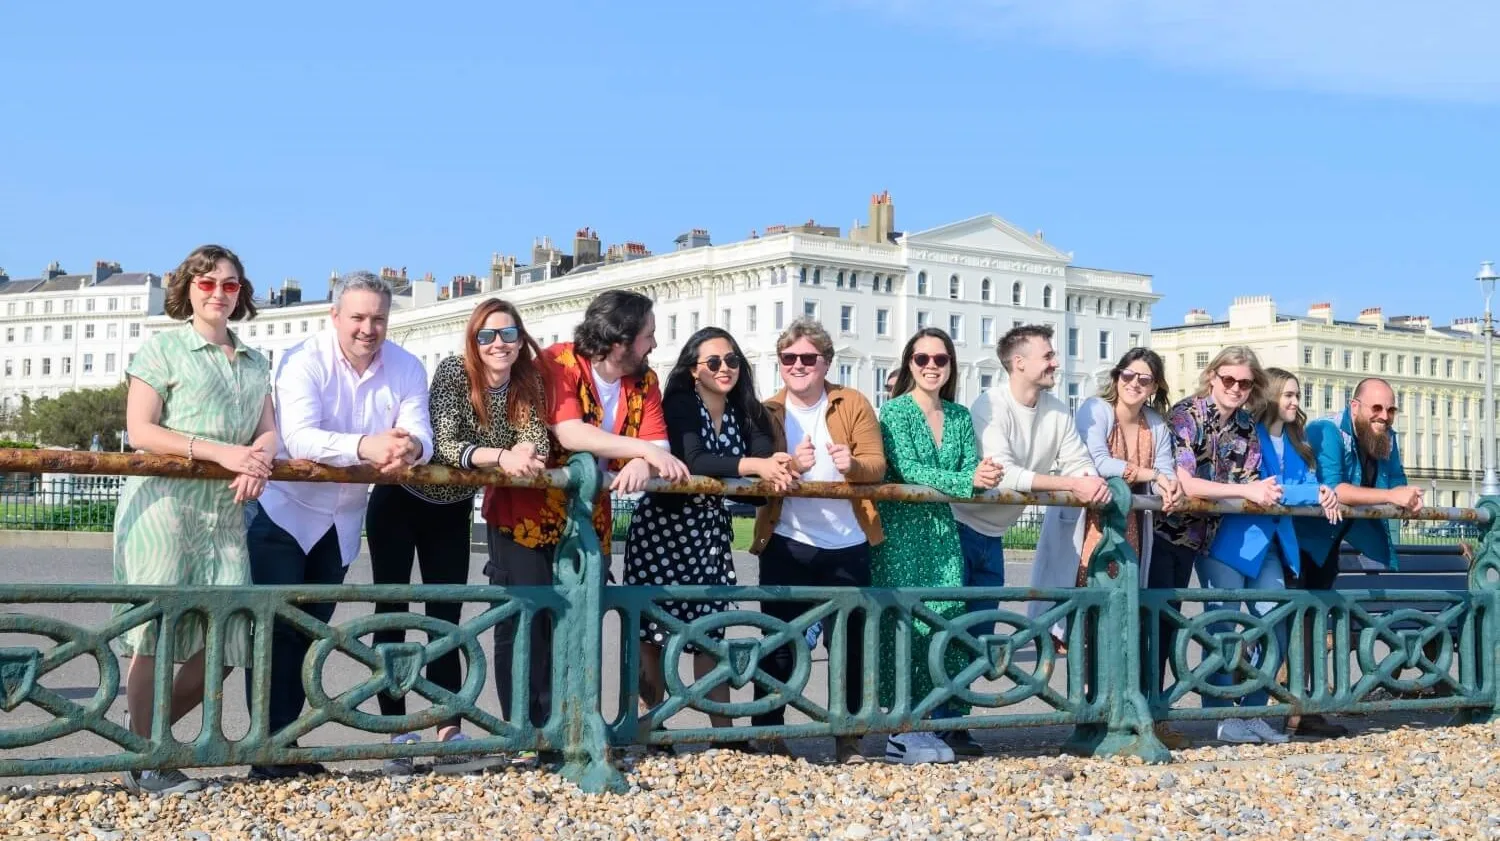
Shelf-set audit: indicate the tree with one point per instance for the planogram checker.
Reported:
(72, 418)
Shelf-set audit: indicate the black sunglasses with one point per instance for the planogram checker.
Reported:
(807, 359)
(1230, 382)
(713, 363)
(1145, 380)
(939, 359)
(487, 336)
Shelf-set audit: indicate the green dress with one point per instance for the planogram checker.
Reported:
(921, 547)
(185, 532)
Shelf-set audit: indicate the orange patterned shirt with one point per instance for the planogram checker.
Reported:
(535, 518)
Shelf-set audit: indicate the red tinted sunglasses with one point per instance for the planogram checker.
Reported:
(207, 285)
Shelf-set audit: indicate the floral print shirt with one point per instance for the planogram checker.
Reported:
(535, 518)
(1225, 451)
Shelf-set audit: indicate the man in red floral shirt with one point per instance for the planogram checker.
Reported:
(602, 399)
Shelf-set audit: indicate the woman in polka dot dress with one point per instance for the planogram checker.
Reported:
(718, 428)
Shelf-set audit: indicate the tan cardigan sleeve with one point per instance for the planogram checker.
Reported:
(867, 450)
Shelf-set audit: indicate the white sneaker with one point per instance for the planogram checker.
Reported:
(402, 766)
(1266, 732)
(1237, 731)
(917, 749)
(461, 763)
(170, 781)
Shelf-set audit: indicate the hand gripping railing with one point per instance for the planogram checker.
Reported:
(974, 656)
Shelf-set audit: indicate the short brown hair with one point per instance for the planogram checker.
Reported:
(1011, 342)
(204, 259)
(809, 328)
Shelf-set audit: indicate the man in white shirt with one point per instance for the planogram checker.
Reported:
(343, 397)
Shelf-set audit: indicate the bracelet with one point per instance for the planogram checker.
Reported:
(191, 439)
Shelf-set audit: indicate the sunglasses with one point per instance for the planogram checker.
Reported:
(808, 360)
(715, 362)
(1145, 380)
(487, 336)
(939, 359)
(1230, 383)
(207, 285)
(1377, 409)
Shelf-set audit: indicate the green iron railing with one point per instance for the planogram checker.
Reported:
(1106, 687)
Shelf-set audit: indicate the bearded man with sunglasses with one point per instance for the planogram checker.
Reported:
(834, 435)
(1357, 455)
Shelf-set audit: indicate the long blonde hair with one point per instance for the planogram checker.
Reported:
(1270, 412)
(1235, 355)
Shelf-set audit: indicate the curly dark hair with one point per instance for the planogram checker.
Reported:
(204, 259)
(614, 317)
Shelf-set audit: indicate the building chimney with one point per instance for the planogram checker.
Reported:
(1196, 317)
(882, 217)
(586, 247)
(1322, 311)
(54, 269)
(1372, 316)
(1413, 322)
(291, 292)
(103, 269)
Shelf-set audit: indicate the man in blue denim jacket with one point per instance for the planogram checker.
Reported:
(1358, 457)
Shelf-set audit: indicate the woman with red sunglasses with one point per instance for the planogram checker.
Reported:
(195, 391)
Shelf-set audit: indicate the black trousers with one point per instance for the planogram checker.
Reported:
(788, 563)
(401, 527)
(1171, 568)
(514, 565)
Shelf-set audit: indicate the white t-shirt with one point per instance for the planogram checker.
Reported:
(824, 523)
(609, 401)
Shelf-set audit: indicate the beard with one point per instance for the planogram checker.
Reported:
(636, 366)
(1377, 444)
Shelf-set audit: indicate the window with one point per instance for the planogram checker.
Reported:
(1432, 407)
(46, 366)
(695, 318)
(88, 305)
(1327, 357)
(88, 331)
(802, 275)
(841, 280)
(1017, 294)
(671, 327)
(67, 332)
(1400, 364)
(1307, 395)
(854, 280)
(1448, 369)
(881, 375)
(28, 334)
(1135, 340)
(887, 283)
(984, 289)
(67, 365)
(109, 363)
(252, 330)
(1073, 350)
(67, 306)
(1307, 354)
(47, 307)
(135, 329)
(1105, 351)
(1110, 309)
(954, 287)
(29, 306)
(780, 315)
(1327, 398)
(986, 381)
(286, 327)
(750, 320)
(1348, 360)
(135, 302)
(1416, 366)
(956, 327)
(724, 317)
(1098, 306)
(10, 308)
(1364, 361)
(1432, 367)
(1466, 369)
(921, 283)
(810, 309)
(111, 331)
(882, 322)
(1072, 397)
(846, 319)
(922, 318)
(10, 367)
(26, 367)
(1200, 359)
(88, 363)
(302, 327)
(1047, 297)
(1384, 362)
(10, 335)
(1466, 408)
(986, 331)
(817, 277)
(846, 374)
(47, 333)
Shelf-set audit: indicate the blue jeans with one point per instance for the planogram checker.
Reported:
(1217, 575)
(276, 558)
(984, 566)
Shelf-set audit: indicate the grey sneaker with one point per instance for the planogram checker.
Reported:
(1266, 732)
(463, 763)
(170, 781)
(401, 766)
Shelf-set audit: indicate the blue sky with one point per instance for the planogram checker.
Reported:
(1349, 152)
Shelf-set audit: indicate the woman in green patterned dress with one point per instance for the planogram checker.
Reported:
(195, 391)
(929, 440)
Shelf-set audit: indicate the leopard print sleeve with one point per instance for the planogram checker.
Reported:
(454, 434)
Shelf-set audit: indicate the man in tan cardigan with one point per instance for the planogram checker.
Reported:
(835, 435)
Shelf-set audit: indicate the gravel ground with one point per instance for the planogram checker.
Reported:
(1406, 784)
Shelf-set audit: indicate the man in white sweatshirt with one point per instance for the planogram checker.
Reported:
(1031, 433)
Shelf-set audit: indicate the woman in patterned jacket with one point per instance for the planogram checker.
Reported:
(486, 408)
(195, 391)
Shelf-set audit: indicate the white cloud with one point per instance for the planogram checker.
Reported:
(1428, 49)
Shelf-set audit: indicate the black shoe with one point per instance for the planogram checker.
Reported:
(1317, 725)
(286, 772)
(962, 742)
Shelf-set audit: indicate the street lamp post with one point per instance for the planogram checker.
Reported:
(1487, 278)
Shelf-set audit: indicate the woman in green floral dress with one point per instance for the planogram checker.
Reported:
(195, 391)
(929, 440)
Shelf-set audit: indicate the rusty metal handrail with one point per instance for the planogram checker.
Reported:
(296, 470)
